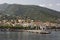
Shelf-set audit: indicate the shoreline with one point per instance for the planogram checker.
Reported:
(23, 30)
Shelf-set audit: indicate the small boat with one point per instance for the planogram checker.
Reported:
(45, 32)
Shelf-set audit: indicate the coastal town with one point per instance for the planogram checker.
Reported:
(27, 23)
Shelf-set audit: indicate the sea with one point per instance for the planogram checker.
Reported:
(55, 35)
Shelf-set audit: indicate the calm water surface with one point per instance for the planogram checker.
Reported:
(55, 35)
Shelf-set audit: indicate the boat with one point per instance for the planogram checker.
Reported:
(45, 32)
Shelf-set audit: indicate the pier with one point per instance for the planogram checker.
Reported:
(38, 31)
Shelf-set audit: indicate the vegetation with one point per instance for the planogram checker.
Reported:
(17, 27)
(14, 11)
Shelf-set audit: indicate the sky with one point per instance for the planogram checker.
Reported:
(52, 4)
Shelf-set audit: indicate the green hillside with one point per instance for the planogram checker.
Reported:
(34, 12)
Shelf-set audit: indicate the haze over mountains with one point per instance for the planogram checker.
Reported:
(31, 11)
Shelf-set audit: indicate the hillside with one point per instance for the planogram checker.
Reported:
(31, 11)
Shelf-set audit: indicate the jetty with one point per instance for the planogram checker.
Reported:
(38, 31)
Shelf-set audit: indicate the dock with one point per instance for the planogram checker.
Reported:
(38, 31)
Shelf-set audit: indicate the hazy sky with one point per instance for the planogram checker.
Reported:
(53, 4)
